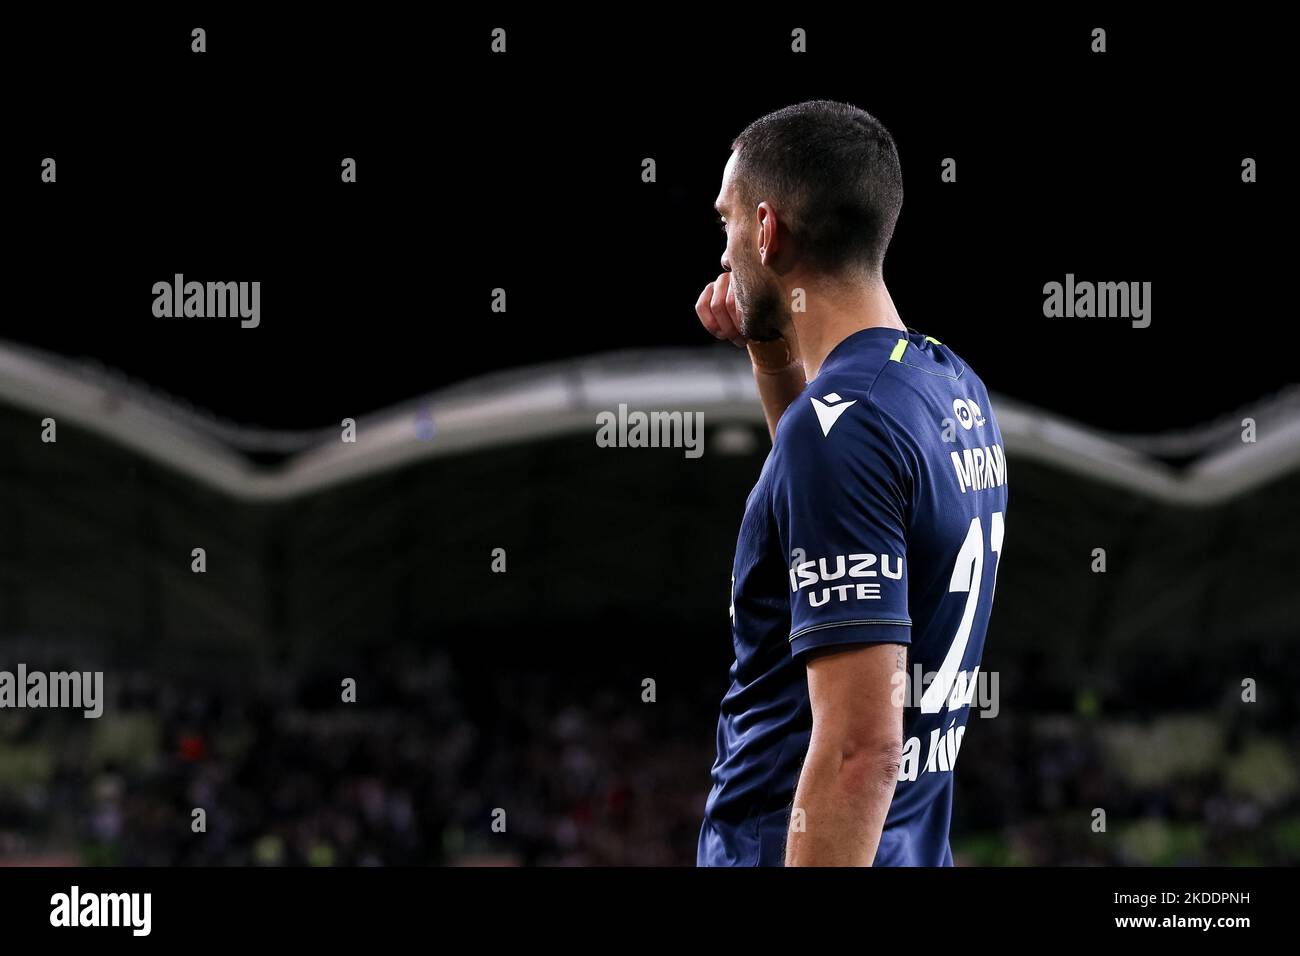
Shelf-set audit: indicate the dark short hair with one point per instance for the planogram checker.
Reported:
(831, 170)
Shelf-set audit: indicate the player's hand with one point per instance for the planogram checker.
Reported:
(719, 313)
(721, 317)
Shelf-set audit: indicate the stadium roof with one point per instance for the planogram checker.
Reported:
(317, 548)
(1200, 467)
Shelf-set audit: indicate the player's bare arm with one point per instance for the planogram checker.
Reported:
(851, 770)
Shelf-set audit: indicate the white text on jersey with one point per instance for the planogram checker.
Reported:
(980, 468)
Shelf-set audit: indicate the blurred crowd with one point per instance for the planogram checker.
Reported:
(439, 764)
(424, 767)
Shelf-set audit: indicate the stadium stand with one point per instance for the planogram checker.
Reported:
(523, 690)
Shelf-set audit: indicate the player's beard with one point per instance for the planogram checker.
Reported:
(764, 316)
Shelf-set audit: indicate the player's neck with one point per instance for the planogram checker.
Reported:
(834, 312)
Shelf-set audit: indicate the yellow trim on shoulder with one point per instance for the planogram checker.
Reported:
(899, 348)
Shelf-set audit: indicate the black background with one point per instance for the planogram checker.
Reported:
(334, 906)
(522, 171)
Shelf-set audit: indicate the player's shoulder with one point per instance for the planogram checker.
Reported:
(920, 363)
(837, 409)
(835, 418)
(833, 443)
(880, 391)
(927, 387)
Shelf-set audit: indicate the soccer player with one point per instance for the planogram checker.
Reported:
(872, 538)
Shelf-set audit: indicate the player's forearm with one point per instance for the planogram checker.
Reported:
(779, 376)
(844, 799)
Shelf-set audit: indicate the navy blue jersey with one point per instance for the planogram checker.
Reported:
(877, 518)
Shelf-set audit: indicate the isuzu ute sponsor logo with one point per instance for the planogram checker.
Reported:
(840, 567)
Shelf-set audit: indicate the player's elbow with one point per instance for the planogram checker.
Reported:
(869, 764)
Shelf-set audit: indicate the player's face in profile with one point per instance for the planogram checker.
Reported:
(761, 302)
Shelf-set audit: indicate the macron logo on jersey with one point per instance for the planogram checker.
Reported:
(829, 408)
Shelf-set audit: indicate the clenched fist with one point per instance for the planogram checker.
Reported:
(719, 313)
(721, 317)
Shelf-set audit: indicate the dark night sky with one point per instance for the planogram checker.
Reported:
(523, 171)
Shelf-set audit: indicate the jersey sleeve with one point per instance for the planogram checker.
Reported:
(841, 507)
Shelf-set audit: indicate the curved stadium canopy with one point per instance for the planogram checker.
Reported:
(564, 399)
(319, 547)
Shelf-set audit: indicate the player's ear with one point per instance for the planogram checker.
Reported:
(767, 233)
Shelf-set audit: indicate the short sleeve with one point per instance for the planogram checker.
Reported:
(841, 507)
